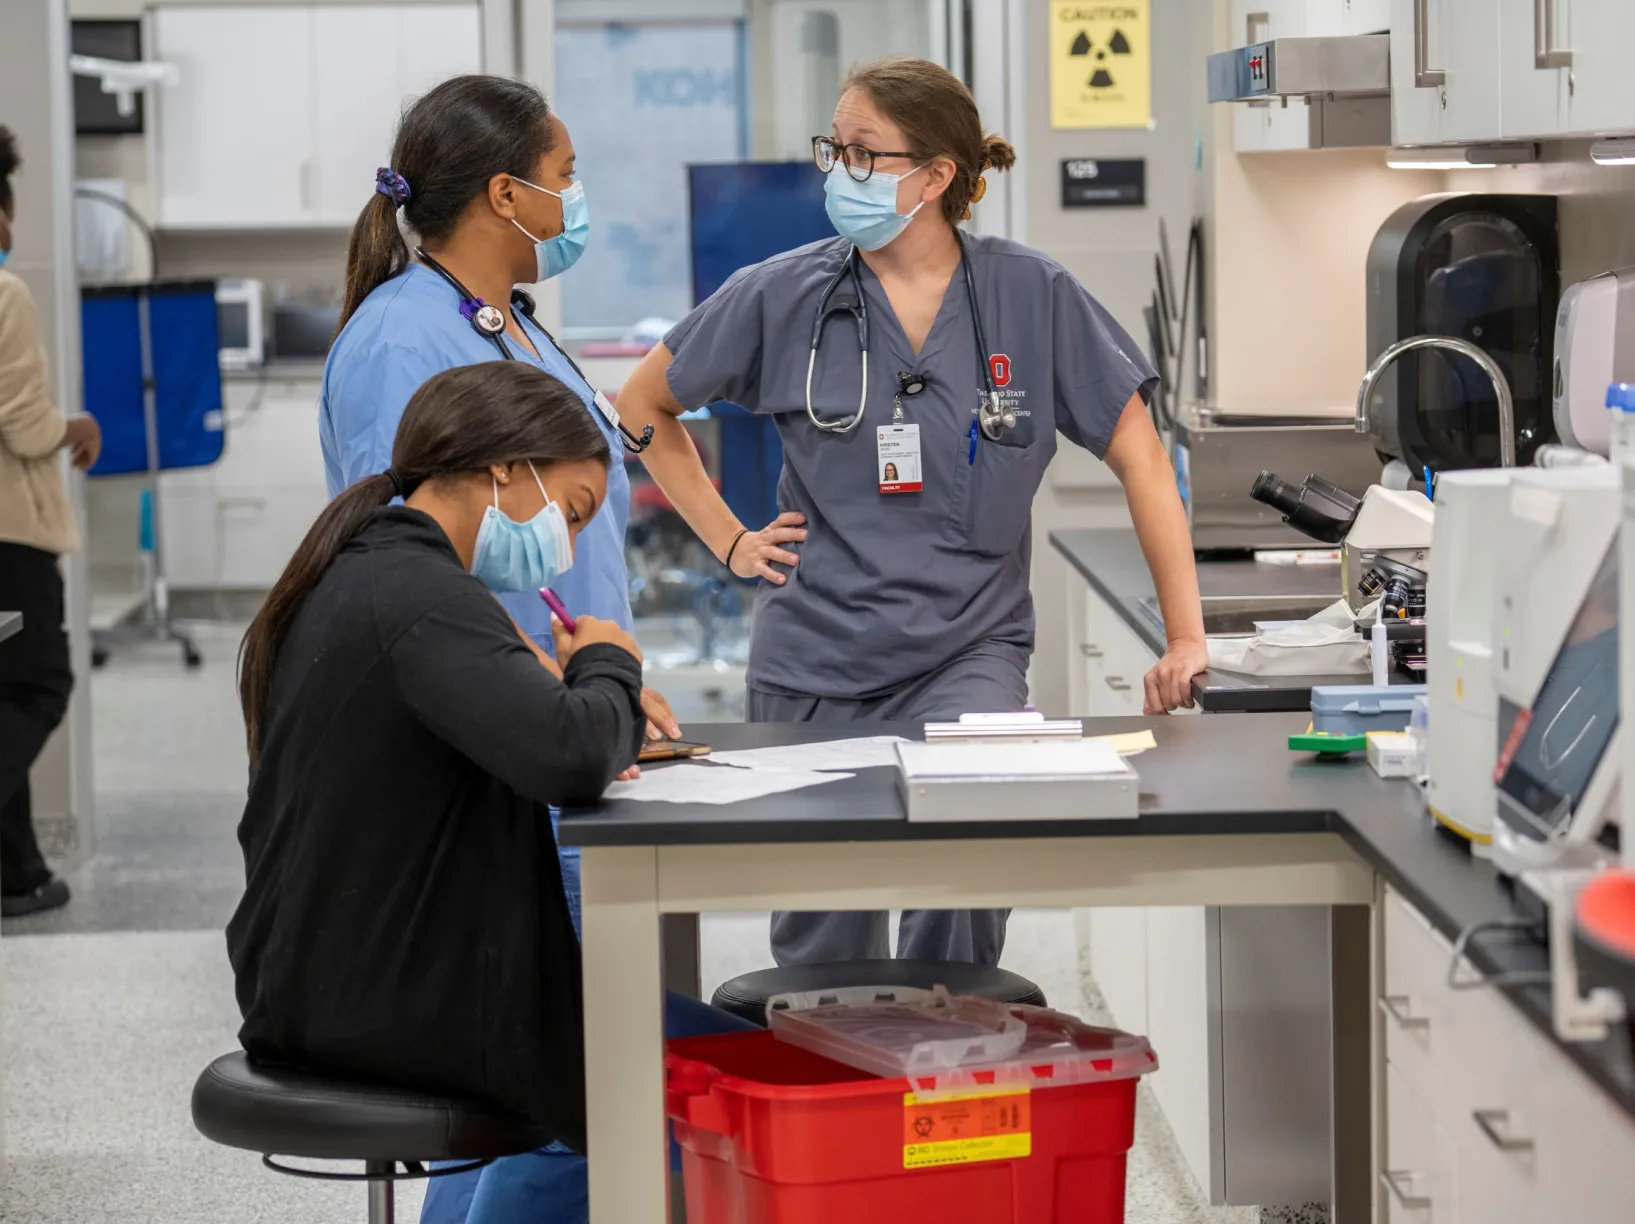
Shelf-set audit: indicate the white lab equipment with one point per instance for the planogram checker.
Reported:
(1594, 346)
(1459, 612)
(1556, 669)
(241, 318)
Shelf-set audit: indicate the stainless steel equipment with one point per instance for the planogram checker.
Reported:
(1501, 388)
(1346, 82)
(1217, 457)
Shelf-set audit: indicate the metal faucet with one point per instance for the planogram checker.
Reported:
(1501, 389)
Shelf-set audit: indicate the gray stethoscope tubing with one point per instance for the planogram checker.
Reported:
(992, 416)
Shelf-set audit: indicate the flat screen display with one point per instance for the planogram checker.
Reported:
(744, 212)
(1551, 751)
(97, 113)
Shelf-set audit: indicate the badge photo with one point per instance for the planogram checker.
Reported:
(897, 450)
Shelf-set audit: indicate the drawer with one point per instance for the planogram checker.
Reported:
(1415, 995)
(1419, 1182)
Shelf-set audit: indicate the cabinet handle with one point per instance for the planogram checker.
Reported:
(1396, 1006)
(1425, 78)
(1545, 53)
(1486, 1118)
(1091, 651)
(1392, 1180)
(1118, 684)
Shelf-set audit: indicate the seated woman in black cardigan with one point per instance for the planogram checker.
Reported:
(404, 920)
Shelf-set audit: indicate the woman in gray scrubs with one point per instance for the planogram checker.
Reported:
(955, 359)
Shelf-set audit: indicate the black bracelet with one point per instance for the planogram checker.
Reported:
(733, 547)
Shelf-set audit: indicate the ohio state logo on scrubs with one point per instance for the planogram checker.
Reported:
(999, 366)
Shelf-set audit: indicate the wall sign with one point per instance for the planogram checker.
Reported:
(1100, 182)
(1100, 64)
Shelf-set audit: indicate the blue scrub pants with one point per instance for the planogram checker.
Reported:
(980, 681)
(550, 1186)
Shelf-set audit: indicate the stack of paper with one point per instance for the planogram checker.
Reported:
(691, 783)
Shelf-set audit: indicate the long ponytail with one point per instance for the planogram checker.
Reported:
(342, 519)
(463, 420)
(448, 146)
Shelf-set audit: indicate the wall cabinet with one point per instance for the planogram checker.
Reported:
(1455, 54)
(1487, 1121)
(1600, 85)
(283, 113)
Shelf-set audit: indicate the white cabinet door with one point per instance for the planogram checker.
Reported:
(1178, 1026)
(1533, 101)
(1118, 962)
(1461, 49)
(1601, 34)
(1368, 17)
(1420, 1163)
(1270, 126)
(233, 138)
(360, 97)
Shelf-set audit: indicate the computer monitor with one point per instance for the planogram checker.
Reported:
(1550, 768)
(744, 212)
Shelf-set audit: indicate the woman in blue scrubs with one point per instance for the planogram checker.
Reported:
(480, 197)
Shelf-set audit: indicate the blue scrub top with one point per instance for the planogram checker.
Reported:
(409, 329)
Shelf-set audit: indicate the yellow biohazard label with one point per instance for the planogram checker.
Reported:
(1101, 64)
(991, 1124)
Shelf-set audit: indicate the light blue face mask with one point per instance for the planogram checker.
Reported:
(554, 256)
(512, 556)
(866, 213)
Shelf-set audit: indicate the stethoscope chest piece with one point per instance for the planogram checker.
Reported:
(490, 320)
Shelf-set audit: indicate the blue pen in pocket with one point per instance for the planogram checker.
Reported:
(970, 459)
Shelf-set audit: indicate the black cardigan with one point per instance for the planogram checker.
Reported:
(404, 920)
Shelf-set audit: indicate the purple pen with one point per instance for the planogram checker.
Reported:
(553, 601)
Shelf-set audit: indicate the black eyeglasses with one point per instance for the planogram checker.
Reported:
(828, 152)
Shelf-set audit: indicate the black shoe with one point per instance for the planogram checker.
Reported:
(53, 894)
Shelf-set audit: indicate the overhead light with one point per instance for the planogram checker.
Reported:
(1615, 151)
(1465, 157)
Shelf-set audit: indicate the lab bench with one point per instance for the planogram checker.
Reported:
(1116, 634)
(1461, 1098)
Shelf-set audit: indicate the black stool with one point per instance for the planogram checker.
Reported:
(282, 1112)
(746, 996)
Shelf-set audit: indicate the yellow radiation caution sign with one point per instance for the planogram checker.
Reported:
(1100, 64)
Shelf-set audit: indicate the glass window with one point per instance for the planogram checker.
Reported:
(643, 101)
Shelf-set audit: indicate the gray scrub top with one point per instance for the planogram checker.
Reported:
(891, 587)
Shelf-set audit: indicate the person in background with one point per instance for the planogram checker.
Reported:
(404, 919)
(910, 603)
(36, 527)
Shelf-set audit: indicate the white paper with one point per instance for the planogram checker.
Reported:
(687, 782)
(1013, 759)
(849, 754)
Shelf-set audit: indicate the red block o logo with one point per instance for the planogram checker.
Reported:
(1000, 366)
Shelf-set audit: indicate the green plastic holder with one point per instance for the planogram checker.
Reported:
(1327, 745)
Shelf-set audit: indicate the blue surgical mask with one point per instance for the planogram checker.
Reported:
(866, 213)
(554, 256)
(512, 556)
(4, 255)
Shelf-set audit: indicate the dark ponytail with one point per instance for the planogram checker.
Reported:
(460, 421)
(449, 144)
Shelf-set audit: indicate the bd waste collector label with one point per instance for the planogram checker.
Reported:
(996, 1124)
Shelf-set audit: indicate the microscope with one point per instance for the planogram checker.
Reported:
(1384, 539)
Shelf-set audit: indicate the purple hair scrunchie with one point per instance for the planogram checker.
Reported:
(390, 183)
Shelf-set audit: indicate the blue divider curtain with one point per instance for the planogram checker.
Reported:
(186, 373)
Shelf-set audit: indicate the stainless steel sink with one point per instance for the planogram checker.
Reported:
(1227, 614)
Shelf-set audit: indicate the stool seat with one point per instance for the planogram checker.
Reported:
(280, 1111)
(746, 996)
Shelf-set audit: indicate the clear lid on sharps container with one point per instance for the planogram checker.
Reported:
(945, 1042)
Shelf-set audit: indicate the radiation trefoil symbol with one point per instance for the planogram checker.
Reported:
(1116, 45)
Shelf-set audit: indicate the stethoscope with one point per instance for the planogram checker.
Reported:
(489, 323)
(992, 415)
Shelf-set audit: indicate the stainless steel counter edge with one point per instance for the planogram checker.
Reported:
(1221, 776)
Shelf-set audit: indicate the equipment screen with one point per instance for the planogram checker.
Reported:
(744, 212)
(1551, 751)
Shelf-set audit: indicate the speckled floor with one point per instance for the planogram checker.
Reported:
(109, 1009)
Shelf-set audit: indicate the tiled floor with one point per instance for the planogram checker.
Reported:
(110, 1008)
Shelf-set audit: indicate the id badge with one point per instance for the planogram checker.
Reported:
(610, 414)
(898, 453)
